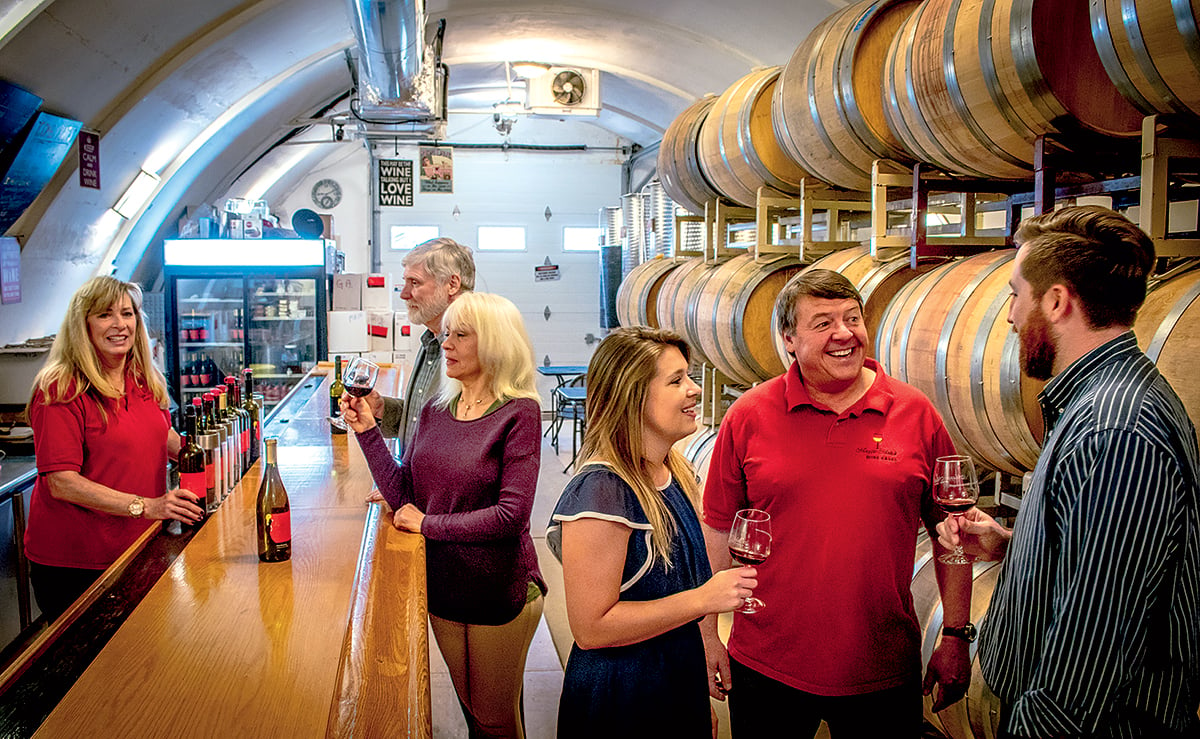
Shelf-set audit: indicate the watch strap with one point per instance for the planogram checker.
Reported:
(966, 632)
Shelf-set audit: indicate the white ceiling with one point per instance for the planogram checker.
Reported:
(198, 90)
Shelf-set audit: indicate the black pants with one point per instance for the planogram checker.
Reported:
(56, 588)
(759, 706)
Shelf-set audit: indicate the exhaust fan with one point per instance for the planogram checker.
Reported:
(566, 91)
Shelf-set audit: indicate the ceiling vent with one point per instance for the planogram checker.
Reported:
(566, 91)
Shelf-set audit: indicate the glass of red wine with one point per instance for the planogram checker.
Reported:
(359, 377)
(956, 490)
(750, 544)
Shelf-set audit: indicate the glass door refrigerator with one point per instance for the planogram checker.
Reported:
(243, 303)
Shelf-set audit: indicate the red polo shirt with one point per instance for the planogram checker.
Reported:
(846, 493)
(127, 451)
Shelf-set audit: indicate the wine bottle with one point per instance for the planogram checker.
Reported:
(335, 394)
(208, 441)
(252, 406)
(203, 372)
(233, 448)
(243, 418)
(191, 462)
(214, 427)
(274, 512)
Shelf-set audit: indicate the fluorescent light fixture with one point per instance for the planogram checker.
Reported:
(530, 70)
(137, 195)
(243, 252)
(509, 107)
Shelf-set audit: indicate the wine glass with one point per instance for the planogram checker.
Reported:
(359, 377)
(956, 490)
(750, 544)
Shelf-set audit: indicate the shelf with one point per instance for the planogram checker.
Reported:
(283, 293)
(282, 318)
(211, 300)
(210, 344)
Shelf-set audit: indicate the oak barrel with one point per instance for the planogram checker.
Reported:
(674, 297)
(738, 149)
(637, 297)
(947, 334)
(969, 84)
(977, 714)
(828, 107)
(1151, 51)
(877, 282)
(1168, 330)
(733, 313)
(679, 162)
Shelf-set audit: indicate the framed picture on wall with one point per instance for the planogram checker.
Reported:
(437, 169)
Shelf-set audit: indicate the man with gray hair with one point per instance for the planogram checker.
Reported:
(436, 272)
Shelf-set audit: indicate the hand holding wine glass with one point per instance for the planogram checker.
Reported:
(750, 544)
(956, 490)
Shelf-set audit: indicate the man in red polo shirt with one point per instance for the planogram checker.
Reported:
(832, 446)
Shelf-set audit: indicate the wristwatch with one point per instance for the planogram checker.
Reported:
(137, 507)
(967, 631)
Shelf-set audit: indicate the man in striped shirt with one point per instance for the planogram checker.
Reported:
(1094, 626)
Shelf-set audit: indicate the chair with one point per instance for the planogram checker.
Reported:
(570, 404)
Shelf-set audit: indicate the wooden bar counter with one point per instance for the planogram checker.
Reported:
(333, 642)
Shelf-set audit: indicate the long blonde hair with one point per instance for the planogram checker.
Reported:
(618, 378)
(73, 367)
(505, 351)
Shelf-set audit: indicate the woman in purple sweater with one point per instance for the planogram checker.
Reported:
(466, 483)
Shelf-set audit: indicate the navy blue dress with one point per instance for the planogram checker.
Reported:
(657, 687)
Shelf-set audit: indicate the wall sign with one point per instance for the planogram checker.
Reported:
(437, 169)
(10, 270)
(89, 159)
(396, 182)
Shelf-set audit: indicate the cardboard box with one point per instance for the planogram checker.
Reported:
(380, 328)
(348, 331)
(404, 361)
(347, 291)
(378, 357)
(377, 291)
(405, 336)
(346, 356)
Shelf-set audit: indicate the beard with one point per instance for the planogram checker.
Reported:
(426, 312)
(1037, 346)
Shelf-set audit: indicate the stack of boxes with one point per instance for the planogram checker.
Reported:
(362, 322)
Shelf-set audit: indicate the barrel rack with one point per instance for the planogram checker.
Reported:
(902, 197)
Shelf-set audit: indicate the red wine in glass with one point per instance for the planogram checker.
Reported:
(956, 491)
(359, 377)
(750, 544)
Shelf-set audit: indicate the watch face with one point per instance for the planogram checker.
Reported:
(327, 194)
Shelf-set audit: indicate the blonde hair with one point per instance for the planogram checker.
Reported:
(619, 378)
(73, 367)
(505, 351)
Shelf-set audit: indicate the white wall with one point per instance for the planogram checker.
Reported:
(500, 188)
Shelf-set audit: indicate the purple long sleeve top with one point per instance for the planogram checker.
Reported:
(474, 481)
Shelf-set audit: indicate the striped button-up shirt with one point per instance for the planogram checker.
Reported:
(1094, 627)
(400, 416)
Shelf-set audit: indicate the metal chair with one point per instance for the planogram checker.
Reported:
(570, 404)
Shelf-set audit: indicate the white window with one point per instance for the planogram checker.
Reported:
(406, 237)
(581, 238)
(502, 238)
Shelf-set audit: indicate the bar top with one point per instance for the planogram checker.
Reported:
(226, 645)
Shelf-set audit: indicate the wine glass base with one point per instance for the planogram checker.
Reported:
(750, 605)
(955, 558)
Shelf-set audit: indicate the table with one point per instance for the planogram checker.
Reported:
(562, 373)
(332, 642)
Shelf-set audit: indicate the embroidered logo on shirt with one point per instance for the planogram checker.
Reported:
(879, 451)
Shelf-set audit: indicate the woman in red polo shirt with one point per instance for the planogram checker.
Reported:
(101, 436)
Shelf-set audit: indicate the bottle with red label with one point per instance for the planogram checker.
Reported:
(211, 445)
(254, 409)
(191, 462)
(243, 420)
(274, 512)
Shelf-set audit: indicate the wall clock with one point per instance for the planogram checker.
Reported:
(326, 194)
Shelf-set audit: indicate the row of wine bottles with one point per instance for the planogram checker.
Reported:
(221, 441)
(199, 371)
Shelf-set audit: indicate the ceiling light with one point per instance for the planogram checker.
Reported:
(530, 70)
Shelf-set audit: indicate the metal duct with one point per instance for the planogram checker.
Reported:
(396, 80)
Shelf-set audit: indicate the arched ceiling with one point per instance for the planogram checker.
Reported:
(196, 91)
